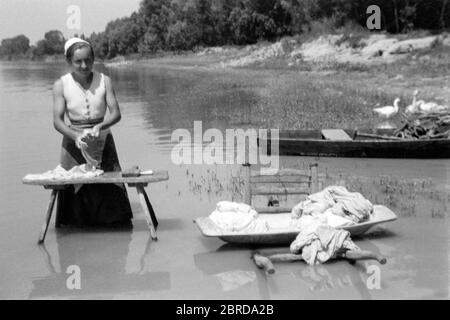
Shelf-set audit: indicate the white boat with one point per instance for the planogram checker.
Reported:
(281, 230)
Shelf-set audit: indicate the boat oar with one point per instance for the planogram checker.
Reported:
(377, 136)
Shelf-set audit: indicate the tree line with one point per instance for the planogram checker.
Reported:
(179, 25)
(53, 43)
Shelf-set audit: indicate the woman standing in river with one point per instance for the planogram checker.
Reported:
(83, 97)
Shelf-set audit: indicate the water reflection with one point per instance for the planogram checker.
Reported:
(232, 267)
(104, 267)
(333, 276)
(232, 280)
(174, 99)
(24, 77)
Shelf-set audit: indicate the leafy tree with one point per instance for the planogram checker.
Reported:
(407, 16)
(149, 43)
(99, 42)
(123, 35)
(445, 12)
(241, 22)
(205, 21)
(157, 16)
(223, 27)
(15, 46)
(432, 14)
(54, 42)
(181, 36)
(282, 18)
(41, 48)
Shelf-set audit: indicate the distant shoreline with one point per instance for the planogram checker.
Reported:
(357, 49)
(46, 58)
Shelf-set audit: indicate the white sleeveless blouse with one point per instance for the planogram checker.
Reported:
(82, 104)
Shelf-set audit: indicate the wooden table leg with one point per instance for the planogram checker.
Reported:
(141, 193)
(58, 210)
(150, 209)
(48, 216)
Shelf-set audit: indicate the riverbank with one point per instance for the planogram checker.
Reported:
(325, 81)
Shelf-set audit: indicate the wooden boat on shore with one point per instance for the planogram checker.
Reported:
(281, 232)
(372, 143)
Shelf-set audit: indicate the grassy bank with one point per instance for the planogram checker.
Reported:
(309, 94)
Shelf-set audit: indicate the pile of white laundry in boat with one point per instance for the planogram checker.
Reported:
(237, 217)
(316, 219)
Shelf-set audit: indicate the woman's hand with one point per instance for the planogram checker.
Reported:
(79, 140)
(95, 131)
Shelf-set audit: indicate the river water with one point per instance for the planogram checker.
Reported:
(183, 264)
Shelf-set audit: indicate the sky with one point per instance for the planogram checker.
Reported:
(35, 17)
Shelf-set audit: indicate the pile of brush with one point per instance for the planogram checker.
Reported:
(434, 125)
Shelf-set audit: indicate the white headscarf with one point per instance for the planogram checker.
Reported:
(72, 41)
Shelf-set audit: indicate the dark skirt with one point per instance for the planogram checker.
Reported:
(93, 204)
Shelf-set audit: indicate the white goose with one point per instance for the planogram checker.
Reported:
(428, 107)
(388, 111)
(420, 106)
(415, 105)
(425, 107)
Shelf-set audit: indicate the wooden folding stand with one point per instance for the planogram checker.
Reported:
(278, 193)
(108, 177)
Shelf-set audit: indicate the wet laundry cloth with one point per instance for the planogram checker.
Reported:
(327, 218)
(351, 205)
(336, 200)
(233, 217)
(59, 173)
(92, 149)
(83, 171)
(318, 242)
(224, 206)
